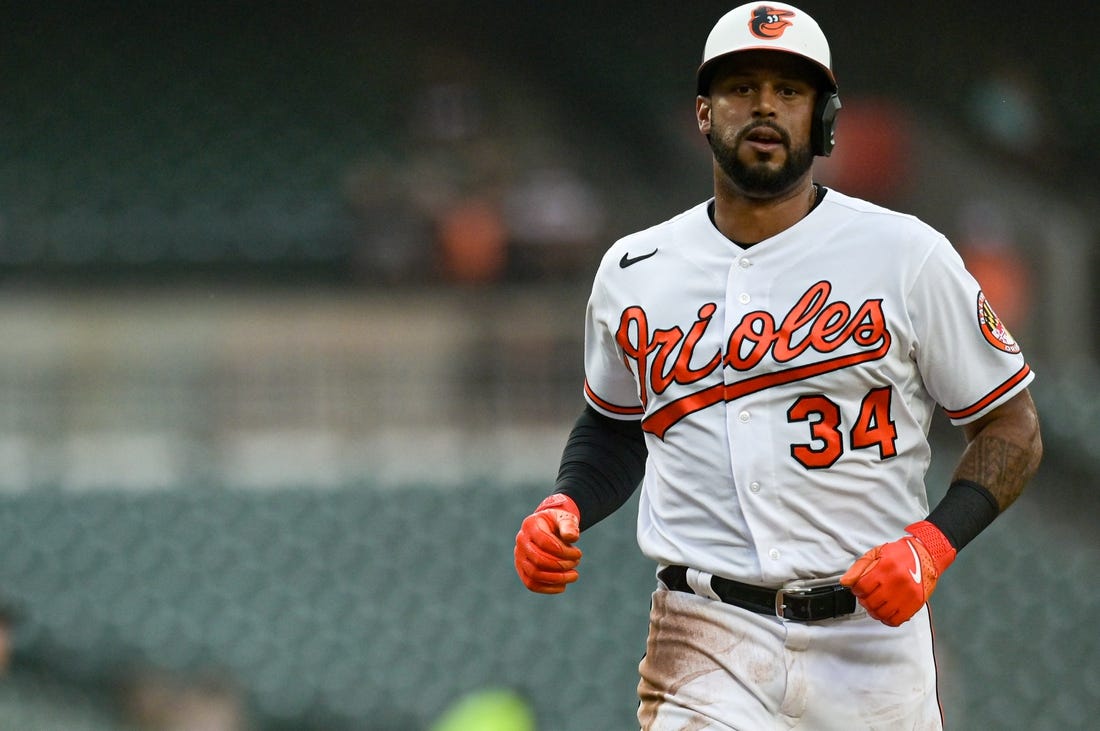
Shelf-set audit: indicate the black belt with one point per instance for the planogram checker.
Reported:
(800, 605)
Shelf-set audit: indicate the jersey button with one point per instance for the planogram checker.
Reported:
(744, 417)
(745, 263)
(774, 554)
(744, 298)
(754, 486)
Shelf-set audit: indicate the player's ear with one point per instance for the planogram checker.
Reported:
(702, 113)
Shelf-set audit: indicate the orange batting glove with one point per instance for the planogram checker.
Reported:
(894, 580)
(546, 559)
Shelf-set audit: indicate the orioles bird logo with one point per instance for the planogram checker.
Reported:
(768, 22)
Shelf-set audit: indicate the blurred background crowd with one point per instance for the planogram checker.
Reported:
(291, 302)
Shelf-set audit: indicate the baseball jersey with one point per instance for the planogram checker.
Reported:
(786, 389)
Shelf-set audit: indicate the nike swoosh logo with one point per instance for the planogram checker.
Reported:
(914, 572)
(626, 261)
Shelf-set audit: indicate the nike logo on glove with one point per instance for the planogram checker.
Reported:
(914, 572)
(627, 261)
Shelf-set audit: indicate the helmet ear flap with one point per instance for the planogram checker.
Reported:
(823, 128)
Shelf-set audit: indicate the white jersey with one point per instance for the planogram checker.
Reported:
(786, 389)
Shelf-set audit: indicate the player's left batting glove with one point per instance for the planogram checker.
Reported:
(546, 559)
(894, 580)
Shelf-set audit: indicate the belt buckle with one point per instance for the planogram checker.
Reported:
(784, 593)
(801, 588)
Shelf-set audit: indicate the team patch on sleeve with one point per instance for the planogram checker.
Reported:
(993, 329)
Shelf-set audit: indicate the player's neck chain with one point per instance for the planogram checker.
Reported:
(817, 193)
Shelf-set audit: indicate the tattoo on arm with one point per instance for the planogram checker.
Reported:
(1000, 465)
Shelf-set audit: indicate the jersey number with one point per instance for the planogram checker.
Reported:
(873, 428)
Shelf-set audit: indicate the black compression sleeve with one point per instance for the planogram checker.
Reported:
(965, 511)
(601, 465)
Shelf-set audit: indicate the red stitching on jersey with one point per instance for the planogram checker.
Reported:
(991, 396)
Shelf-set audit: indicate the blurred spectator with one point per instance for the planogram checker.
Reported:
(876, 165)
(430, 212)
(448, 104)
(433, 211)
(554, 220)
(472, 241)
(987, 244)
(393, 235)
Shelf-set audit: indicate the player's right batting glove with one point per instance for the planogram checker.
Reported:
(546, 559)
(894, 580)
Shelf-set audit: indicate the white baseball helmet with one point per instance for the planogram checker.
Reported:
(759, 26)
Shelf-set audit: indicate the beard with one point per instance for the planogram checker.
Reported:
(760, 180)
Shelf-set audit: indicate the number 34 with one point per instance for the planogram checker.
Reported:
(873, 428)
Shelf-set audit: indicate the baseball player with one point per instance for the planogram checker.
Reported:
(766, 364)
